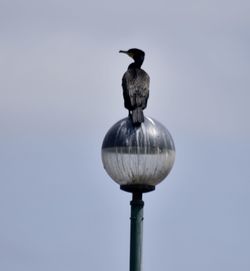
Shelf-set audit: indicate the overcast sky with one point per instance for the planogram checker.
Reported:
(60, 92)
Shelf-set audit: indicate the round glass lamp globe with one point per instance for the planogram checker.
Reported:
(138, 156)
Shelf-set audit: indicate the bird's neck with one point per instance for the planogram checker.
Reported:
(136, 65)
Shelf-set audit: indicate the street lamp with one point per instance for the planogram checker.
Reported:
(137, 158)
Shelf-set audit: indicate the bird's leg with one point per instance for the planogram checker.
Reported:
(130, 114)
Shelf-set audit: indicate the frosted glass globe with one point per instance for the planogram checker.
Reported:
(139, 156)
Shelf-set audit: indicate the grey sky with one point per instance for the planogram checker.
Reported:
(59, 64)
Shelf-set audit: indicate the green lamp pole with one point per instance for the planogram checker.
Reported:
(137, 158)
(136, 232)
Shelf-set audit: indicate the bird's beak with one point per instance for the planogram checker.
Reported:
(127, 53)
(124, 52)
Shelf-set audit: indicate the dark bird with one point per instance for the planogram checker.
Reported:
(135, 84)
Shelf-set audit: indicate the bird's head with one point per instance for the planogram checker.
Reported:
(137, 54)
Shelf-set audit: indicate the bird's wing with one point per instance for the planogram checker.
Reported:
(135, 85)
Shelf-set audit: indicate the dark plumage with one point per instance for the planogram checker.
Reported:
(135, 84)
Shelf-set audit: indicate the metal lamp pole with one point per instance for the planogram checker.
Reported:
(136, 223)
(136, 231)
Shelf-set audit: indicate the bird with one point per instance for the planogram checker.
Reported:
(135, 84)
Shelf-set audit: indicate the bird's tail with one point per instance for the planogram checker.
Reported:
(137, 116)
